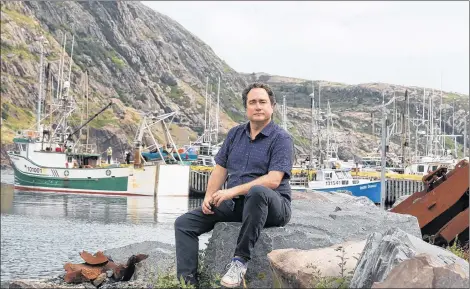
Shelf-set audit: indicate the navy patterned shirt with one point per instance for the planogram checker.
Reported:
(246, 159)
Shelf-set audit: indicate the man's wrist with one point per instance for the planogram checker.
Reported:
(233, 192)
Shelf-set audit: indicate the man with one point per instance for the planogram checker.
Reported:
(109, 153)
(257, 157)
(128, 157)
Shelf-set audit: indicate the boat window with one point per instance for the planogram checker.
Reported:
(340, 175)
(23, 147)
(434, 168)
(420, 168)
(69, 159)
(328, 176)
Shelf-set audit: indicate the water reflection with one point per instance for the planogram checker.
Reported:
(45, 230)
(103, 209)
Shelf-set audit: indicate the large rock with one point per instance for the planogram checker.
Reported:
(422, 271)
(384, 251)
(319, 220)
(161, 260)
(305, 268)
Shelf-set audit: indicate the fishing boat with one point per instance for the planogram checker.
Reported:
(51, 157)
(334, 180)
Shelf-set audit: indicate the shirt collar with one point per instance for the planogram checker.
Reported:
(266, 131)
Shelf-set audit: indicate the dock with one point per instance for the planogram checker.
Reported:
(395, 186)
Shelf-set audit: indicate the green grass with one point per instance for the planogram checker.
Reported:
(179, 97)
(21, 51)
(15, 118)
(104, 119)
(459, 250)
(19, 18)
(116, 59)
(342, 281)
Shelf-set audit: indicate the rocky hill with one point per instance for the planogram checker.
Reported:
(356, 111)
(151, 63)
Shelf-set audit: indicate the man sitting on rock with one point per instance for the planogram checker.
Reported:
(257, 157)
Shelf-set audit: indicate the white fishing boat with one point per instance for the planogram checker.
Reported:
(51, 157)
(341, 180)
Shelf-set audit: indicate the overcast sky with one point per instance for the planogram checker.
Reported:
(408, 43)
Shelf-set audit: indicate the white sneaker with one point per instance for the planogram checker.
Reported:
(235, 274)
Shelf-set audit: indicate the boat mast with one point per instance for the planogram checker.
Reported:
(217, 114)
(442, 138)
(312, 124)
(205, 112)
(86, 95)
(38, 113)
(284, 113)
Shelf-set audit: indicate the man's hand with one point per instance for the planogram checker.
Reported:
(222, 195)
(206, 206)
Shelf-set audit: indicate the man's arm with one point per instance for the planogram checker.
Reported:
(272, 180)
(216, 180)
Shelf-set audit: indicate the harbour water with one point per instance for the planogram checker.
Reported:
(41, 231)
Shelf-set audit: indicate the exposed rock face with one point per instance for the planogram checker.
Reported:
(385, 250)
(320, 220)
(161, 258)
(425, 271)
(302, 268)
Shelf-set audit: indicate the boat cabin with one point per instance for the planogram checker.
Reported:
(45, 153)
(332, 175)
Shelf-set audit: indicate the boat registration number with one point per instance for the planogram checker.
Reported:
(37, 170)
(333, 183)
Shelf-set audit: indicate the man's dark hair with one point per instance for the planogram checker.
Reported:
(266, 87)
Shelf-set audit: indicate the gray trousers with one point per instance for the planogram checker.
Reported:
(261, 207)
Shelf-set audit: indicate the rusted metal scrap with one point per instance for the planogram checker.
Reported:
(98, 258)
(442, 207)
(97, 264)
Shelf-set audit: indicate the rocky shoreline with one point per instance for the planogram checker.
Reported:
(333, 240)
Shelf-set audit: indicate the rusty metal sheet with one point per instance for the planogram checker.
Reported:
(455, 226)
(98, 258)
(75, 277)
(426, 206)
(88, 271)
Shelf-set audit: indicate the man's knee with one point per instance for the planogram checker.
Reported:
(181, 222)
(257, 192)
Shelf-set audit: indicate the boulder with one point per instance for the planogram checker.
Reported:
(318, 220)
(385, 251)
(422, 271)
(161, 260)
(304, 268)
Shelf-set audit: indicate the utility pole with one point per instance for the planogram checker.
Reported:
(312, 126)
(373, 123)
(384, 140)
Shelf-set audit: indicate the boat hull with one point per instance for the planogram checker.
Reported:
(125, 181)
(370, 190)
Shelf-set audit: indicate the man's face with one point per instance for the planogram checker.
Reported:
(258, 105)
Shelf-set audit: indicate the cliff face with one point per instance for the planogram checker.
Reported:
(151, 63)
(131, 52)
